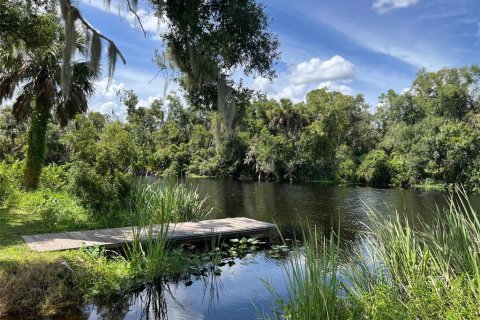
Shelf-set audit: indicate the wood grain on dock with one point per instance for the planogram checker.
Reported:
(116, 237)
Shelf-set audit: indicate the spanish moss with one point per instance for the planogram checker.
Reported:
(112, 59)
(95, 53)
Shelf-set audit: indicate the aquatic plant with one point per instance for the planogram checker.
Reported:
(400, 270)
(311, 277)
(153, 209)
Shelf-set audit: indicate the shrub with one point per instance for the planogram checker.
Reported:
(346, 170)
(100, 192)
(55, 177)
(375, 169)
(9, 182)
(58, 208)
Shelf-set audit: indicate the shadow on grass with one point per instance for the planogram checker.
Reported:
(15, 223)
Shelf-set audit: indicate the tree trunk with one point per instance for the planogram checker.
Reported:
(37, 142)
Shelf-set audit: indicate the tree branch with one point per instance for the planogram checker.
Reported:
(91, 28)
(130, 8)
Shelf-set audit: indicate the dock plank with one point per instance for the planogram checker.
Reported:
(115, 237)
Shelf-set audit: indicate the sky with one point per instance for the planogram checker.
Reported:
(352, 46)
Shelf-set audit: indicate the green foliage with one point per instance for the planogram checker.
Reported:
(37, 142)
(24, 28)
(115, 150)
(104, 193)
(8, 184)
(11, 136)
(100, 276)
(313, 288)
(57, 209)
(409, 142)
(104, 155)
(55, 177)
(430, 130)
(375, 168)
(346, 166)
(204, 40)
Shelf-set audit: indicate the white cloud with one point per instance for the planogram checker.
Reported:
(295, 92)
(111, 108)
(315, 70)
(262, 84)
(339, 87)
(148, 101)
(151, 24)
(109, 91)
(334, 74)
(386, 5)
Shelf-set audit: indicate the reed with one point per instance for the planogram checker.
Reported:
(427, 270)
(400, 270)
(153, 209)
(313, 286)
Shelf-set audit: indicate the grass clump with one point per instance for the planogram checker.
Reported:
(399, 271)
(154, 207)
(313, 286)
(430, 271)
(39, 287)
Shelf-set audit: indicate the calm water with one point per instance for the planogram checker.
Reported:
(235, 293)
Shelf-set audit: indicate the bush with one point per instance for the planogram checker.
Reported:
(346, 169)
(10, 176)
(61, 210)
(400, 171)
(102, 193)
(375, 169)
(55, 177)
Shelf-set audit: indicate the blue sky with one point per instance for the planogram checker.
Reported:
(352, 46)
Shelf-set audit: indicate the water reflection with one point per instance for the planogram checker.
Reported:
(326, 206)
(230, 295)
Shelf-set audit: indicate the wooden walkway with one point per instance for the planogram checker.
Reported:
(117, 237)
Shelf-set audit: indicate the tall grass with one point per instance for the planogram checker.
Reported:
(312, 282)
(153, 209)
(399, 271)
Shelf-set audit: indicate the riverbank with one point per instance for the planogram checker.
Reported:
(33, 283)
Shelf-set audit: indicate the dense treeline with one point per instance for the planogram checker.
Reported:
(425, 135)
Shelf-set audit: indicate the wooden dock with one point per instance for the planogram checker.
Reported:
(117, 237)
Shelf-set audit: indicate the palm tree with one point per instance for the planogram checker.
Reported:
(37, 75)
(288, 118)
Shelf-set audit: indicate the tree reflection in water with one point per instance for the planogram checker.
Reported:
(151, 301)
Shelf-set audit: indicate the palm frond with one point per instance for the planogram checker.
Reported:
(45, 84)
(80, 90)
(7, 87)
(22, 107)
